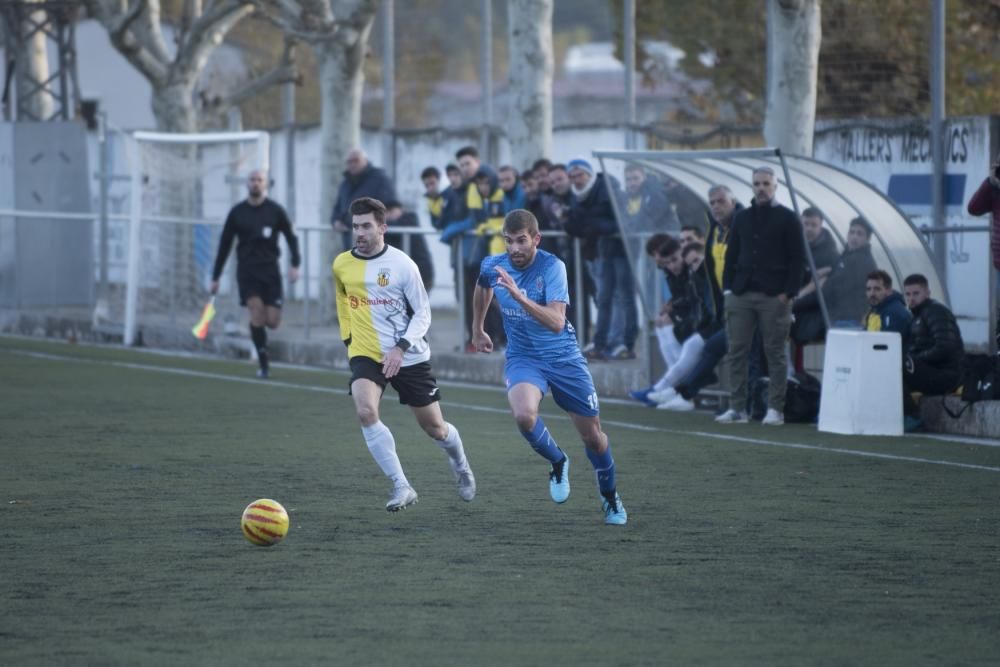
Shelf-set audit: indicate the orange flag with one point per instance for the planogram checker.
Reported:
(200, 330)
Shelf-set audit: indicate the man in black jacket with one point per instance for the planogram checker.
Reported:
(932, 363)
(764, 263)
(592, 219)
(361, 179)
(396, 217)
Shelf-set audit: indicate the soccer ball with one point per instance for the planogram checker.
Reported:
(264, 522)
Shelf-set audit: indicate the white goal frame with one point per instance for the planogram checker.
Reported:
(263, 141)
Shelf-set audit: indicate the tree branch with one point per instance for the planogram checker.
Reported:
(208, 31)
(122, 38)
(284, 72)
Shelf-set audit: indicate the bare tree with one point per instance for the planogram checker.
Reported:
(337, 31)
(135, 30)
(793, 38)
(32, 68)
(530, 41)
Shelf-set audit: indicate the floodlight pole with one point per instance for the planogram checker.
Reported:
(629, 44)
(805, 241)
(937, 86)
(388, 86)
(486, 77)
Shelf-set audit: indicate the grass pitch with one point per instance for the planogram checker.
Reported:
(124, 475)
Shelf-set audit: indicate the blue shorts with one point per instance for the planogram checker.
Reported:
(570, 380)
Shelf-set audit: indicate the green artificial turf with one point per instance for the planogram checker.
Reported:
(124, 474)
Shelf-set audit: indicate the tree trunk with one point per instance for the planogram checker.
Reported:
(529, 125)
(793, 39)
(341, 80)
(33, 69)
(173, 107)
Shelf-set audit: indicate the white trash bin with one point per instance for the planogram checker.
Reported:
(862, 383)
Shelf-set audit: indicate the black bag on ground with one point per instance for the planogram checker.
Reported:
(802, 399)
(980, 381)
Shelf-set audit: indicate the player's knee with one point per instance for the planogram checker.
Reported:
(367, 415)
(525, 419)
(437, 431)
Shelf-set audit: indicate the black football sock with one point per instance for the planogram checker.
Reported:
(259, 337)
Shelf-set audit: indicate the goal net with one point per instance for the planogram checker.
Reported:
(182, 187)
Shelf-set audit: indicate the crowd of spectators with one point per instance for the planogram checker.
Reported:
(740, 297)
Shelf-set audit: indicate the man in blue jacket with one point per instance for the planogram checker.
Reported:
(888, 311)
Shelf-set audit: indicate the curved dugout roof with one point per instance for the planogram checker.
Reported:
(897, 246)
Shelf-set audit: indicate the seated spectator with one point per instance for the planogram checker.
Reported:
(822, 246)
(824, 254)
(592, 219)
(691, 234)
(887, 311)
(679, 326)
(646, 205)
(513, 193)
(396, 217)
(932, 361)
(843, 290)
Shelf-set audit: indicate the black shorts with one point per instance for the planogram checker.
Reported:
(414, 384)
(260, 280)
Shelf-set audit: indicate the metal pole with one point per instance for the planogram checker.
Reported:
(288, 111)
(388, 86)
(630, 117)
(105, 176)
(581, 304)
(937, 45)
(486, 77)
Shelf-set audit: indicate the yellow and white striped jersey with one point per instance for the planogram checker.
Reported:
(381, 300)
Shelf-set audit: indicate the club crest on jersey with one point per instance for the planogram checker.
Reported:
(383, 277)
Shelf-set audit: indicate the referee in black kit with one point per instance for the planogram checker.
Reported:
(257, 222)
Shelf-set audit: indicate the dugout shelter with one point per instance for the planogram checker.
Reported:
(896, 244)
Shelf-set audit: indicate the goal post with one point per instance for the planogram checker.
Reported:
(182, 186)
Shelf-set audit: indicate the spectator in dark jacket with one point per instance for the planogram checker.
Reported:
(987, 200)
(396, 217)
(646, 205)
(765, 261)
(822, 246)
(679, 325)
(843, 290)
(932, 362)
(361, 179)
(887, 310)
(592, 218)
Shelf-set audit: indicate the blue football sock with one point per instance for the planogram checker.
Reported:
(604, 466)
(541, 441)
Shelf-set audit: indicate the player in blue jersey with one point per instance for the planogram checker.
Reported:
(542, 353)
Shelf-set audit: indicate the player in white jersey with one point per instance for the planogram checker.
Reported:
(384, 314)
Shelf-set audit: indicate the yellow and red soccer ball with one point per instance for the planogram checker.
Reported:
(264, 522)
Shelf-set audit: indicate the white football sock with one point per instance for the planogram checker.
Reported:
(382, 446)
(452, 445)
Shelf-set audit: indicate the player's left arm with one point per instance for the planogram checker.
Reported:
(551, 315)
(420, 303)
(288, 231)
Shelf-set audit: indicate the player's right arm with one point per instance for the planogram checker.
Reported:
(225, 245)
(343, 304)
(481, 298)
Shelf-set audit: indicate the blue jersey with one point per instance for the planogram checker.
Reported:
(543, 281)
